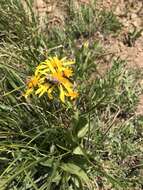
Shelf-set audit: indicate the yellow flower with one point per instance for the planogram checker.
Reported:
(28, 92)
(86, 44)
(62, 93)
(33, 82)
(73, 95)
(68, 72)
(50, 75)
(49, 92)
(42, 89)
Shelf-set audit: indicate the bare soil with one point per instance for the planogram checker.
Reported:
(130, 14)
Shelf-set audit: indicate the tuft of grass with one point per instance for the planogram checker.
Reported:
(109, 23)
(93, 142)
(132, 36)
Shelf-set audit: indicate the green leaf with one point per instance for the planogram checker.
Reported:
(78, 151)
(83, 131)
(5, 107)
(76, 170)
(48, 162)
(78, 124)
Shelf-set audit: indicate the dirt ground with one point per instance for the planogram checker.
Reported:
(129, 13)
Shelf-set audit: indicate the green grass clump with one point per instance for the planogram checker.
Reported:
(92, 142)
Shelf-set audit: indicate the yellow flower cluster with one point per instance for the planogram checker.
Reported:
(51, 75)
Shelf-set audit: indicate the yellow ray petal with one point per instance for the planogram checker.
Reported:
(57, 62)
(44, 71)
(68, 72)
(49, 64)
(72, 95)
(28, 92)
(66, 63)
(50, 91)
(41, 90)
(67, 85)
(40, 68)
(33, 82)
(62, 94)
